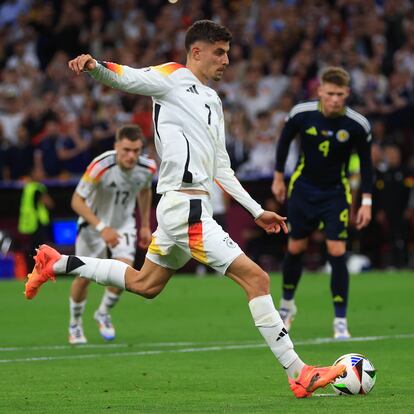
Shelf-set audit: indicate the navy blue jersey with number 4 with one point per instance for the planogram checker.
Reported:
(326, 145)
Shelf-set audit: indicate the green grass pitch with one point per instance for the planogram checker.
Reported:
(194, 349)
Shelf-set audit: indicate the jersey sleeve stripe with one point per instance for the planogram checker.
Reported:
(103, 158)
(359, 118)
(152, 168)
(303, 107)
(98, 167)
(148, 163)
(94, 176)
(168, 68)
(113, 67)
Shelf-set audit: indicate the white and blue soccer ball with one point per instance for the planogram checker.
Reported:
(358, 378)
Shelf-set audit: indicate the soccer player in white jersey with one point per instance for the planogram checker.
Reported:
(105, 200)
(189, 136)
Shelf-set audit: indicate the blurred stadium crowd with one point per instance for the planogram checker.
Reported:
(56, 123)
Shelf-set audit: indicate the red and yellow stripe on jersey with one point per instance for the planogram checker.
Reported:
(98, 167)
(114, 67)
(167, 68)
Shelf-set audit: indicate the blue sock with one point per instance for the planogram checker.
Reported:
(292, 271)
(339, 284)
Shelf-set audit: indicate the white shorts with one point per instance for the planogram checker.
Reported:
(187, 229)
(90, 243)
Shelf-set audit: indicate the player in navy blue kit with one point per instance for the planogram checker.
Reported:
(318, 190)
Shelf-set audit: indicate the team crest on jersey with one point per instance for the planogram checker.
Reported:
(230, 243)
(342, 135)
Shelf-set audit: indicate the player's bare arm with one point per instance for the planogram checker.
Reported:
(144, 202)
(364, 212)
(279, 187)
(82, 63)
(79, 206)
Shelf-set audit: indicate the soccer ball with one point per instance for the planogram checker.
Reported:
(359, 377)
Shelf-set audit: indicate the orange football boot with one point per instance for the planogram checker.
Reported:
(312, 378)
(45, 258)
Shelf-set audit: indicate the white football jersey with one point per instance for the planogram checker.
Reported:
(111, 192)
(188, 127)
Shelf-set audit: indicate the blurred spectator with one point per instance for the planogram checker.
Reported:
(10, 10)
(142, 116)
(252, 99)
(391, 198)
(237, 143)
(4, 146)
(11, 116)
(48, 161)
(262, 155)
(73, 148)
(20, 155)
(275, 83)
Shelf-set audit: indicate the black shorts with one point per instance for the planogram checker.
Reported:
(310, 208)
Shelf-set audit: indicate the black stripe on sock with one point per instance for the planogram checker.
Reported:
(73, 263)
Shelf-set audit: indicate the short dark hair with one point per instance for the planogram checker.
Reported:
(131, 132)
(206, 31)
(336, 75)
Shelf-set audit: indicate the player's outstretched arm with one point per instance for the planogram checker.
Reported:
(152, 81)
(272, 222)
(82, 63)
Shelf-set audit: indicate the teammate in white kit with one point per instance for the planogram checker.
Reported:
(189, 136)
(105, 200)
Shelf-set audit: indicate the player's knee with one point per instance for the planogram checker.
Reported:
(296, 247)
(336, 250)
(81, 282)
(260, 282)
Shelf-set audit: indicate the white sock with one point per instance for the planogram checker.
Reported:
(270, 325)
(287, 304)
(107, 272)
(76, 310)
(109, 300)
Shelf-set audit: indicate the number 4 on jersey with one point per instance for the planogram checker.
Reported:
(324, 147)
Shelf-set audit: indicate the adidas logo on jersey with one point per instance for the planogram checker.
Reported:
(192, 89)
(283, 332)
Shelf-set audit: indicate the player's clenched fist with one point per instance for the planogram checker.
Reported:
(82, 63)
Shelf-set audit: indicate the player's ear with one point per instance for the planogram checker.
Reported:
(196, 52)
